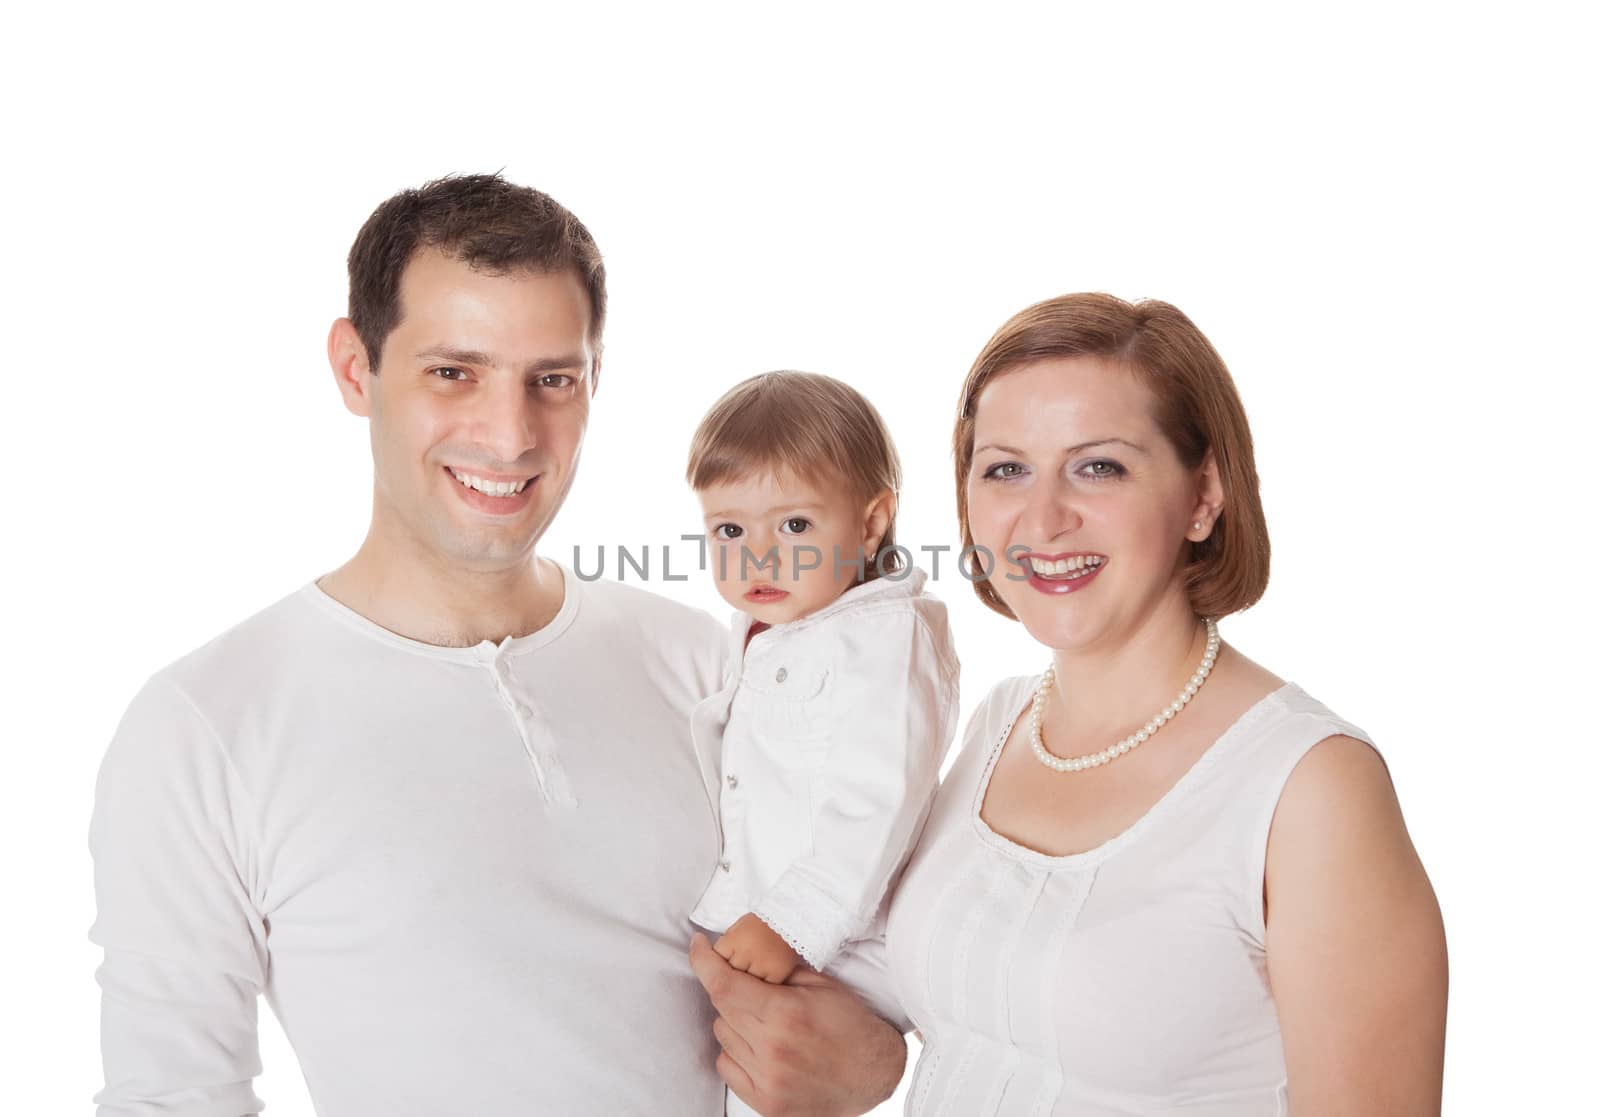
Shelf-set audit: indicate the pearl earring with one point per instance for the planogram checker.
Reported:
(1198, 525)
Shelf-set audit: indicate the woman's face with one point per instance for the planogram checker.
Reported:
(1083, 502)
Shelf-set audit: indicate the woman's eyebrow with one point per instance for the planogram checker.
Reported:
(1070, 449)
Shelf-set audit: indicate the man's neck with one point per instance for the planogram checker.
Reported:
(450, 607)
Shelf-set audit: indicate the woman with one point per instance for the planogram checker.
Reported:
(1158, 877)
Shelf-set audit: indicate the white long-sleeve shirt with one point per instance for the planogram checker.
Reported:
(831, 737)
(461, 876)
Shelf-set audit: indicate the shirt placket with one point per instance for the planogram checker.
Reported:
(733, 804)
(537, 741)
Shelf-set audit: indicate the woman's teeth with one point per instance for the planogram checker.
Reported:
(490, 488)
(1068, 568)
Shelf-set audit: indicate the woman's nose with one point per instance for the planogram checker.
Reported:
(1051, 512)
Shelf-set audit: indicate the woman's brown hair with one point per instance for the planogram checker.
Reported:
(1197, 408)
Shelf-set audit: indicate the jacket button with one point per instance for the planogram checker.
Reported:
(783, 673)
(725, 865)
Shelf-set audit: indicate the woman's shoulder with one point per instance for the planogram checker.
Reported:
(998, 709)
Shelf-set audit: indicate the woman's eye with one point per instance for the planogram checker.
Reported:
(727, 531)
(796, 525)
(1101, 470)
(1002, 471)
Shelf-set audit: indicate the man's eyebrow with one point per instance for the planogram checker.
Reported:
(478, 357)
(451, 353)
(1079, 448)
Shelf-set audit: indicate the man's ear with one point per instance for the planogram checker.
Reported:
(594, 375)
(347, 356)
(879, 515)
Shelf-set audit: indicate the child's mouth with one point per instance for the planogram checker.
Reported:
(762, 594)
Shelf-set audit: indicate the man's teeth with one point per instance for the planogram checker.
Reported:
(1075, 567)
(490, 488)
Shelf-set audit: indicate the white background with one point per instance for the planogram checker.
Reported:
(1383, 218)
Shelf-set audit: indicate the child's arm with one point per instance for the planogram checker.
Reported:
(750, 945)
(894, 709)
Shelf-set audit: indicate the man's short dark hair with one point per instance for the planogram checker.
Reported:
(482, 220)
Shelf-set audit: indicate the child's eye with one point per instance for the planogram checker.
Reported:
(1002, 471)
(796, 525)
(1102, 469)
(727, 531)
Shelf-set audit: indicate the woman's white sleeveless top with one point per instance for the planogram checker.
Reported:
(1126, 980)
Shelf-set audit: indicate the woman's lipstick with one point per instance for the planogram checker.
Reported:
(1070, 582)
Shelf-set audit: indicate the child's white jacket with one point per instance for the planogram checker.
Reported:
(831, 730)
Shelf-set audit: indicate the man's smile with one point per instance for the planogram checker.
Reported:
(489, 485)
(498, 496)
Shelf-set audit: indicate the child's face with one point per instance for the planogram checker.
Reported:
(781, 548)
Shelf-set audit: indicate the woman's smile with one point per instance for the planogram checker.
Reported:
(1067, 572)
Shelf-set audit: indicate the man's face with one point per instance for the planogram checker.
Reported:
(477, 411)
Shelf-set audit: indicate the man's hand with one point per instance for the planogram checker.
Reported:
(752, 947)
(809, 1048)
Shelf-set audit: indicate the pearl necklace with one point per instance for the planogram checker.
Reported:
(1127, 744)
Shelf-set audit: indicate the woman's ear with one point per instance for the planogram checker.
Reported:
(1209, 500)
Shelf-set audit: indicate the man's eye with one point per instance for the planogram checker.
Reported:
(727, 531)
(796, 525)
(450, 373)
(556, 380)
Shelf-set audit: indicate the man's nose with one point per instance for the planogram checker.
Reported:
(506, 424)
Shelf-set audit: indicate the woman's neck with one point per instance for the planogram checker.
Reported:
(1100, 692)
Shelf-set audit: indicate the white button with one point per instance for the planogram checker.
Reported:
(733, 781)
(783, 673)
(724, 865)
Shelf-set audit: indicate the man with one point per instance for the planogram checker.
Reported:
(442, 806)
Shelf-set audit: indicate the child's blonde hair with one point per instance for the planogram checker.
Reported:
(807, 426)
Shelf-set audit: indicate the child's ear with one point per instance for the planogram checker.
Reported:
(880, 514)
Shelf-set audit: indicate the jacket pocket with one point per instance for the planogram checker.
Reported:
(788, 708)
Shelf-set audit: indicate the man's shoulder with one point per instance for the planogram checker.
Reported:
(635, 606)
(205, 689)
(269, 638)
(660, 634)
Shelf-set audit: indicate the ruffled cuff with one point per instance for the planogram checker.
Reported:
(808, 919)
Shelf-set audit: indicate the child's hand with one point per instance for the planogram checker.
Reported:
(750, 945)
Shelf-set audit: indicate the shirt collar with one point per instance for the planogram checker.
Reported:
(902, 584)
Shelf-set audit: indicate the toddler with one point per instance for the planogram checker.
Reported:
(843, 698)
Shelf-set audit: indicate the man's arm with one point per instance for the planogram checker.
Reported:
(809, 1047)
(185, 949)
